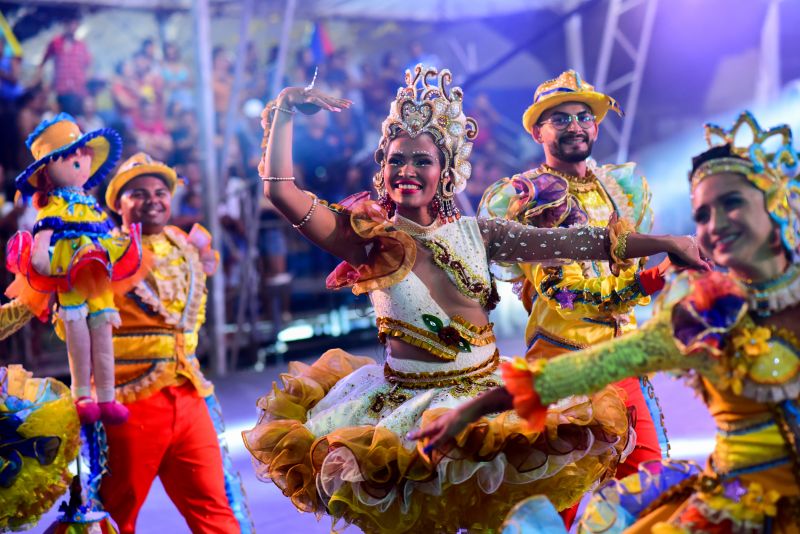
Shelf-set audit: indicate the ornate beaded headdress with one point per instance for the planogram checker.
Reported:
(773, 173)
(427, 105)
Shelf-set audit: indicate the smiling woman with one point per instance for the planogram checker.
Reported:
(334, 438)
(738, 335)
(733, 227)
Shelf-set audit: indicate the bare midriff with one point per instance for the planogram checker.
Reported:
(447, 296)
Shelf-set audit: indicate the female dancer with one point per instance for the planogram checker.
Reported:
(333, 439)
(737, 333)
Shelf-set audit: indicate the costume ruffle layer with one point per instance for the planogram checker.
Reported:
(115, 264)
(40, 428)
(332, 438)
(676, 497)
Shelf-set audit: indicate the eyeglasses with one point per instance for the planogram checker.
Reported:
(560, 121)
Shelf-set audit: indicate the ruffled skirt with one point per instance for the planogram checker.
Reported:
(332, 438)
(678, 497)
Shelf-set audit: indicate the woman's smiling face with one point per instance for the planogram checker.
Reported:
(733, 226)
(411, 172)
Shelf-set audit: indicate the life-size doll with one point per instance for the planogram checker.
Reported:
(72, 253)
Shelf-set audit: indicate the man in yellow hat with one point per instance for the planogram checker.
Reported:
(175, 423)
(575, 305)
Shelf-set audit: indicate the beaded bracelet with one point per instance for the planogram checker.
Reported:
(620, 251)
(618, 232)
(308, 215)
(285, 110)
(277, 178)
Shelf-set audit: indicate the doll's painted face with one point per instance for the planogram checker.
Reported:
(71, 171)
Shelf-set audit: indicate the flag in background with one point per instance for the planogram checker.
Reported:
(11, 40)
(321, 45)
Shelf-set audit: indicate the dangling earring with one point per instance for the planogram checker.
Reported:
(448, 211)
(383, 198)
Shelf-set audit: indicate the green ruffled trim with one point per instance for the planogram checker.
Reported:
(587, 371)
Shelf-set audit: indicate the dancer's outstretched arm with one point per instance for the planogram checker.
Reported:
(331, 231)
(512, 242)
(647, 350)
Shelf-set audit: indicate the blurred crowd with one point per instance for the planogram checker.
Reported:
(150, 99)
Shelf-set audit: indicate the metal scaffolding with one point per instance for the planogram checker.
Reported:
(632, 54)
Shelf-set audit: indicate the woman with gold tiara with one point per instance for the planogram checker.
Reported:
(736, 336)
(333, 438)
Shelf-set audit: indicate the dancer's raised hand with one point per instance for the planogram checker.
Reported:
(310, 101)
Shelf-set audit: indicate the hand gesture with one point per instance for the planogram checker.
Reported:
(440, 432)
(685, 254)
(310, 101)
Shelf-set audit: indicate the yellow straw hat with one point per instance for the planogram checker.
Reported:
(568, 87)
(139, 164)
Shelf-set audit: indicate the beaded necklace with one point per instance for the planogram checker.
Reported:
(416, 230)
(772, 296)
(579, 184)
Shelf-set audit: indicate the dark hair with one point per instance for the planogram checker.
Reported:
(717, 152)
(30, 93)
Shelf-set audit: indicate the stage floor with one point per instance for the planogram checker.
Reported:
(689, 427)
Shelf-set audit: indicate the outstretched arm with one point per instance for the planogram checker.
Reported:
(530, 388)
(512, 242)
(329, 230)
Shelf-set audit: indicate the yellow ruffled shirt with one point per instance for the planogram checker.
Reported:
(161, 317)
(576, 305)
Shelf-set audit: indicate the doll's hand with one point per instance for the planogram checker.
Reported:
(201, 238)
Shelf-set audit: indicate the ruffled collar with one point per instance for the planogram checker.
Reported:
(775, 295)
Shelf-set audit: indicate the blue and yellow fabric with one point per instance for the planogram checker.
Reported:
(38, 439)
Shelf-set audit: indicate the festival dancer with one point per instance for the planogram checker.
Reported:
(175, 426)
(577, 305)
(737, 335)
(333, 438)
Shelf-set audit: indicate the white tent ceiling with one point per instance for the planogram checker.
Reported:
(413, 10)
(426, 10)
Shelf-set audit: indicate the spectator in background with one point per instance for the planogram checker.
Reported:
(32, 106)
(317, 150)
(304, 65)
(390, 66)
(255, 82)
(147, 80)
(10, 67)
(176, 76)
(222, 81)
(184, 132)
(71, 62)
(189, 211)
(124, 91)
(151, 131)
(484, 113)
(89, 120)
(272, 71)
(250, 133)
(148, 48)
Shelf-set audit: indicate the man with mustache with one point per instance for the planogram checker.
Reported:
(576, 305)
(175, 426)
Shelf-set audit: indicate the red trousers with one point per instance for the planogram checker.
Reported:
(170, 435)
(647, 447)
